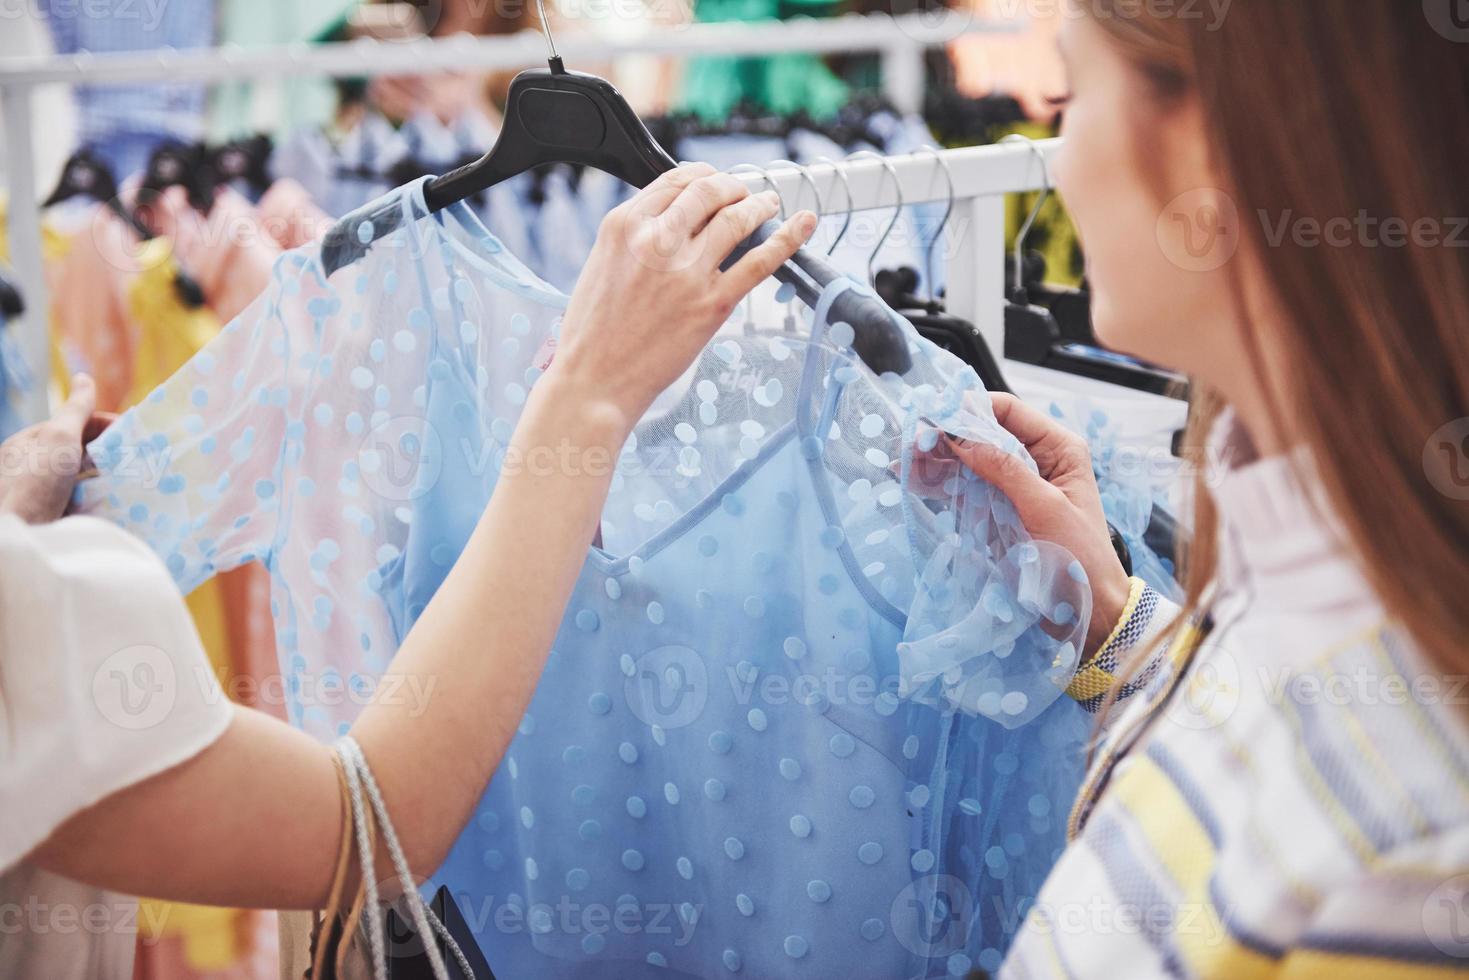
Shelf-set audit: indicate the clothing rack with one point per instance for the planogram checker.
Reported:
(973, 240)
(901, 42)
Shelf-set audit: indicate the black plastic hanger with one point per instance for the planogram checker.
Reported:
(553, 115)
(11, 302)
(87, 175)
(186, 165)
(246, 160)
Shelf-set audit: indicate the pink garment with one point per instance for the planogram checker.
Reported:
(289, 215)
(227, 251)
(90, 308)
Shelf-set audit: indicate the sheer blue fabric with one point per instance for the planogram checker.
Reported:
(804, 713)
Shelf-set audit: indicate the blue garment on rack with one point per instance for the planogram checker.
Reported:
(15, 380)
(124, 123)
(341, 171)
(804, 712)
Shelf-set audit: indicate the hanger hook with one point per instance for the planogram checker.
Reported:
(897, 212)
(841, 174)
(806, 179)
(1034, 212)
(938, 234)
(546, 29)
(750, 168)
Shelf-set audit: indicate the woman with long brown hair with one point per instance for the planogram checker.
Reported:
(1272, 199)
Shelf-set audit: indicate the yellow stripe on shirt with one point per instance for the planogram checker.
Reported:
(1180, 842)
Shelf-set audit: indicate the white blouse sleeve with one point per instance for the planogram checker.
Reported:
(103, 680)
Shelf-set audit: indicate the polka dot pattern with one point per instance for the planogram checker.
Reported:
(730, 700)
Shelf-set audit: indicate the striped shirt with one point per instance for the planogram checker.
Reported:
(1292, 803)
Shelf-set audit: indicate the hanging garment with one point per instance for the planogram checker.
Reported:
(227, 251)
(341, 165)
(803, 709)
(289, 216)
(783, 83)
(16, 378)
(88, 279)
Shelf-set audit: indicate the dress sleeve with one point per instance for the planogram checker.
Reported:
(199, 467)
(102, 676)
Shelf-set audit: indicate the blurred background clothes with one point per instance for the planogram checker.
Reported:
(124, 122)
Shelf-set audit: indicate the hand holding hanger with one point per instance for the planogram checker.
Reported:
(653, 292)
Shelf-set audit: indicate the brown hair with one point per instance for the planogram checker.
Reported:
(1325, 110)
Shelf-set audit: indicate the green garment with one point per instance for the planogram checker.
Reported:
(276, 106)
(784, 84)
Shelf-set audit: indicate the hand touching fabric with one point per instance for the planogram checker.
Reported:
(1060, 504)
(652, 293)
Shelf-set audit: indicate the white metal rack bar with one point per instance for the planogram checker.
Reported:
(875, 32)
(974, 239)
(901, 41)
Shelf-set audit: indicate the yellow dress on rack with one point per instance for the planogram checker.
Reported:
(54, 246)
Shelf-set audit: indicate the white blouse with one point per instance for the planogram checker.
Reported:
(103, 684)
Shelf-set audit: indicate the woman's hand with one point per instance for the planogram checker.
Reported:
(40, 465)
(652, 292)
(264, 817)
(1061, 504)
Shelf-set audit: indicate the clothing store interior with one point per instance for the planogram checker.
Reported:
(694, 488)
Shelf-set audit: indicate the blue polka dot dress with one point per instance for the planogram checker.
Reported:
(804, 714)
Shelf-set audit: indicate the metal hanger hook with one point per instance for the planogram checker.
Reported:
(750, 168)
(938, 234)
(841, 174)
(807, 179)
(1035, 212)
(546, 29)
(897, 212)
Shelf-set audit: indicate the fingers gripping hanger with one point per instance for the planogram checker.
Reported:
(553, 115)
(748, 303)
